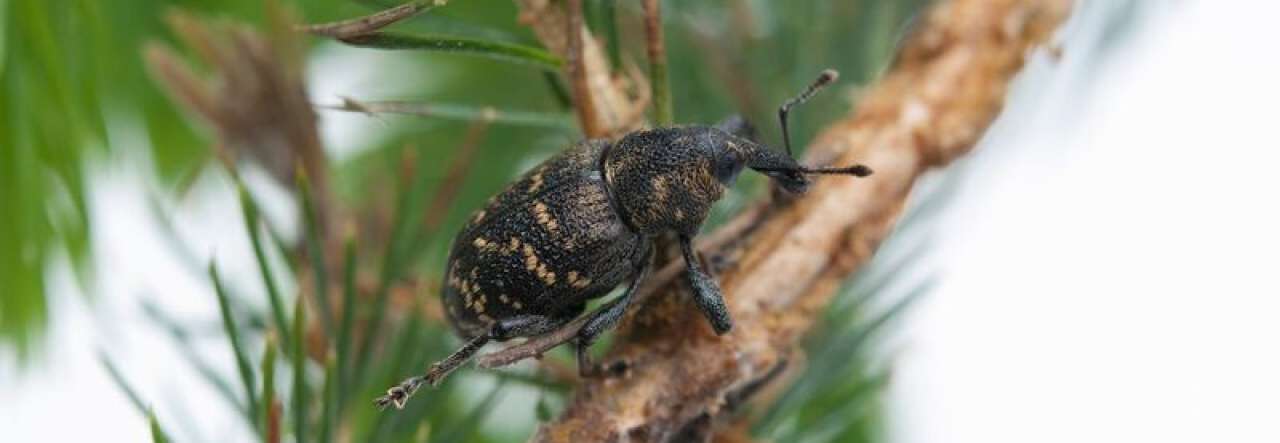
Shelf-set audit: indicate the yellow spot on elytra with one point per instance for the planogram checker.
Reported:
(479, 215)
(532, 264)
(543, 214)
(517, 305)
(454, 281)
(511, 247)
(535, 182)
(530, 258)
(578, 282)
(484, 246)
(503, 298)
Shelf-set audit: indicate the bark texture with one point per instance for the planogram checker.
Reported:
(945, 88)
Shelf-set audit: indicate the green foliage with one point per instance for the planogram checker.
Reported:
(71, 83)
(237, 349)
(249, 209)
(268, 386)
(157, 434)
(299, 360)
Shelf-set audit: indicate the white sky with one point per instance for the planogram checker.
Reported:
(1110, 263)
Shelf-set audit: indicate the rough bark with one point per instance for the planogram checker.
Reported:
(945, 88)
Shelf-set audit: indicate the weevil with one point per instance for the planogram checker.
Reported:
(584, 221)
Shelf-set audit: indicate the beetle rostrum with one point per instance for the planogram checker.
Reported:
(583, 222)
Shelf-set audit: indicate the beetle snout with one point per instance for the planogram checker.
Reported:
(791, 181)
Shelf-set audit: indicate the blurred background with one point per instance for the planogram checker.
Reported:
(1100, 268)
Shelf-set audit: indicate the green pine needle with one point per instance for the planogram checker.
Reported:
(157, 434)
(507, 52)
(329, 391)
(251, 224)
(315, 250)
(122, 383)
(268, 384)
(559, 121)
(348, 317)
(233, 336)
(299, 362)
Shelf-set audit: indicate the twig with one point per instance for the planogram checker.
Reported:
(657, 63)
(946, 89)
(610, 104)
(356, 27)
(577, 72)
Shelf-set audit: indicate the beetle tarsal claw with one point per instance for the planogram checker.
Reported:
(395, 396)
(399, 394)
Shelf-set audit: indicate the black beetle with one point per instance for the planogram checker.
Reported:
(583, 222)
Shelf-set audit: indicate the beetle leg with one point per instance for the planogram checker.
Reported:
(526, 326)
(605, 319)
(398, 394)
(521, 326)
(706, 292)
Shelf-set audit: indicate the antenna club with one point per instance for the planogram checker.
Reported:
(826, 77)
(859, 170)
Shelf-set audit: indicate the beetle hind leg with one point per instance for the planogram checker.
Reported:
(400, 393)
(520, 326)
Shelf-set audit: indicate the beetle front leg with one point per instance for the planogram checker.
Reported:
(706, 292)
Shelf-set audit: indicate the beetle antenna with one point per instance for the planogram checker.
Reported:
(854, 170)
(827, 77)
(857, 170)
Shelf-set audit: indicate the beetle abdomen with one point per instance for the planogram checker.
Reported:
(543, 246)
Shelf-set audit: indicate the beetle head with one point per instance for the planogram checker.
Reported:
(668, 178)
(733, 152)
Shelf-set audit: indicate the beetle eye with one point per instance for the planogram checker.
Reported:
(727, 167)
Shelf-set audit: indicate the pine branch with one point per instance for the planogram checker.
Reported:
(946, 87)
